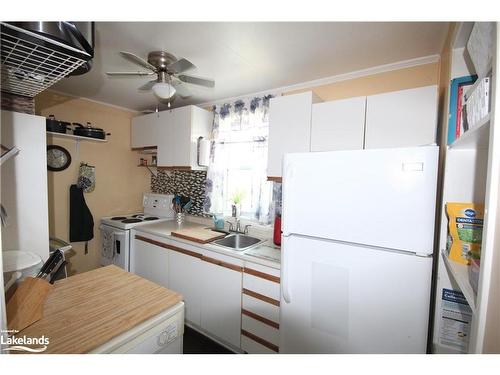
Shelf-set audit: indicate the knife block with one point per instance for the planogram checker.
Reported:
(26, 305)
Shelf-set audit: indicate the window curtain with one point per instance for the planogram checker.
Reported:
(238, 160)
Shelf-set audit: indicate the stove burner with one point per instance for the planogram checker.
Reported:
(118, 218)
(150, 218)
(127, 221)
(138, 215)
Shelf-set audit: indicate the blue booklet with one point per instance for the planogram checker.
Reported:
(452, 120)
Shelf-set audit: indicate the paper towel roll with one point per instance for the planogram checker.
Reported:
(203, 152)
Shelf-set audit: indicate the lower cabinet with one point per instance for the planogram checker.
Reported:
(184, 274)
(234, 301)
(150, 261)
(221, 299)
(260, 309)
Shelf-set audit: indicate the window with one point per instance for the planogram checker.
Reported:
(237, 171)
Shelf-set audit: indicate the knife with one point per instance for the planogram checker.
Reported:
(51, 265)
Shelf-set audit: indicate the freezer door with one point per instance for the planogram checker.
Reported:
(382, 197)
(339, 298)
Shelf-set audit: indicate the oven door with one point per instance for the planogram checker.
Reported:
(115, 246)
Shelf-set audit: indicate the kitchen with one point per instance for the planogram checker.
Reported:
(180, 194)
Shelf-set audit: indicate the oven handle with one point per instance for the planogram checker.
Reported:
(116, 236)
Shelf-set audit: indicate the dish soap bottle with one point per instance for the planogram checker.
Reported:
(277, 230)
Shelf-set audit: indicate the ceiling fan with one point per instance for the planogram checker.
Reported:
(169, 71)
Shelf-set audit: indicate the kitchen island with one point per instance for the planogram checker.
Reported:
(110, 310)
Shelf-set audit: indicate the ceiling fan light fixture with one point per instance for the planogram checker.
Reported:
(163, 90)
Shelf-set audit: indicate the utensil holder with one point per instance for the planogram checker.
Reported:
(179, 217)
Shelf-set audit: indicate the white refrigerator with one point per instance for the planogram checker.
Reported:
(357, 247)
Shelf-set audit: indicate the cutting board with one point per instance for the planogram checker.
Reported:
(199, 235)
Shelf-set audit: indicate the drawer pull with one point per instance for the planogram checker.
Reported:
(262, 275)
(261, 297)
(170, 247)
(262, 342)
(260, 318)
(222, 264)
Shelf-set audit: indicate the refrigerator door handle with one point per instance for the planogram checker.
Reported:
(284, 277)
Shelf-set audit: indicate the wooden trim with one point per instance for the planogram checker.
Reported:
(174, 167)
(262, 275)
(144, 148)
(170, 247)
(260, 318)
(275, 178)
(222, 264)
(153, 242)
(184, 251)
(267, 344)
(267, 299)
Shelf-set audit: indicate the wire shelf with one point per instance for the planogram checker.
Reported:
(29, 68)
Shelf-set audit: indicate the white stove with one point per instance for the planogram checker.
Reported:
(115, 230)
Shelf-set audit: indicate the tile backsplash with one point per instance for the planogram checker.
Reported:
(186, 183)
(192, 184)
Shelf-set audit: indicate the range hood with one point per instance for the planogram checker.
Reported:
(36, 55)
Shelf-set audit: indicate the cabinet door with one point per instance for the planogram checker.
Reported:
(165, 152)
(180, 139)
(184, 274)
(338, 125)
(402, 118)
(221, 302)
(174, 145)
(149, 261)
(289, 128)
(144, 130)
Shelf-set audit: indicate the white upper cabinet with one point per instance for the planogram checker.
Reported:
(402, 118)
(289, 128)
(178, 136)
(144, 131)
(338, 125)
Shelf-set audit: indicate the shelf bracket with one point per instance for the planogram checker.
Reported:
(155, 174)
(77, 149)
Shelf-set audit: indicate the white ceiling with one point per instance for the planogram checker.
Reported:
(244, 58)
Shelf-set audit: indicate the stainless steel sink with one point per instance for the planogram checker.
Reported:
(238, 242)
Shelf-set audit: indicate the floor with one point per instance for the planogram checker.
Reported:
(196, 343)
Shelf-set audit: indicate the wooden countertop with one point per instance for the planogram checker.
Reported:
(85, 311)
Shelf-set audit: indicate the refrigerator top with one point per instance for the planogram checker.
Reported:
(384, 197)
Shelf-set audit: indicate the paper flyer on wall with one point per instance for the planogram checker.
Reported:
(456, 316)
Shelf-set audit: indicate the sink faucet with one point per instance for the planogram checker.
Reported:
(237, 228)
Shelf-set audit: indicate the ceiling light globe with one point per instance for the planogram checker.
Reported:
(163, 90)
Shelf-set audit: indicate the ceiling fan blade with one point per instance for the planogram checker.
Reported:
(197, 80)
(182, 91)
(130, 73)
(180, 66)
(137, 60)
(147, 86)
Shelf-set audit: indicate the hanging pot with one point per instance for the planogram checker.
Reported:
(89, 131)
(53, 125)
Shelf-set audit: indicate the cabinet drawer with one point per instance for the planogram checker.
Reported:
(264, 309)
(260, 329)
(251, 346)
(261, 285)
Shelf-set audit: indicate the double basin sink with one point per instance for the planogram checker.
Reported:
(238, 242)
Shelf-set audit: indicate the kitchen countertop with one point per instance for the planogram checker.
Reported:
(265, 253)
(85, 311)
